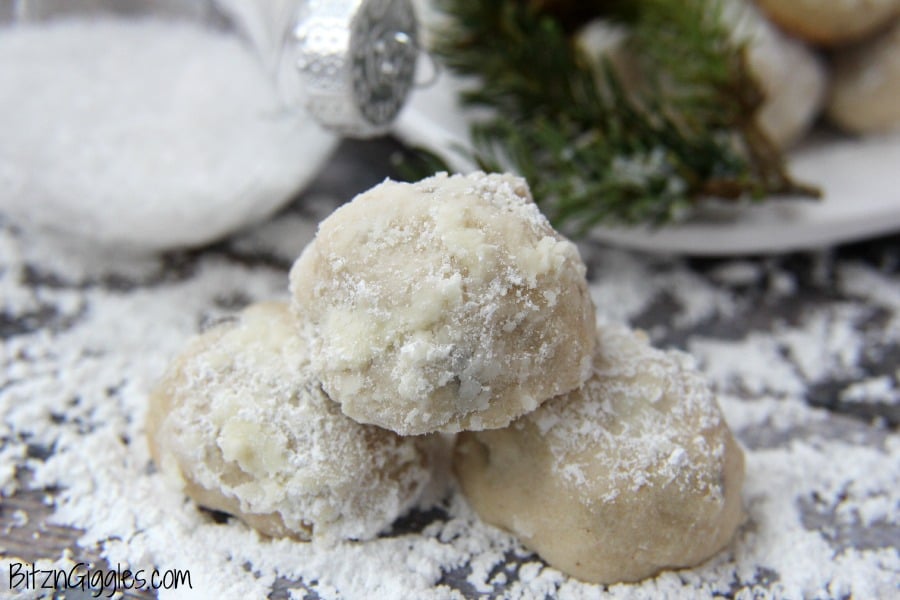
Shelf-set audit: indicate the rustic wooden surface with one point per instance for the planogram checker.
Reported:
(24, 528)
(25, 531)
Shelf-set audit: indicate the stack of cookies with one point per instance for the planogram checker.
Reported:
(451, 306)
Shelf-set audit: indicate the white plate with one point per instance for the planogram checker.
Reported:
(860, 180)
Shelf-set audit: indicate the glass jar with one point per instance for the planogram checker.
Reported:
(158, 124)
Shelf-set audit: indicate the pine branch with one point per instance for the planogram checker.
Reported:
(593, 149)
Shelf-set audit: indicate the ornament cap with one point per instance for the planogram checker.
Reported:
(356, 61)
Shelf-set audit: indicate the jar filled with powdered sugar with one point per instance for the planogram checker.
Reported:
(156, 124)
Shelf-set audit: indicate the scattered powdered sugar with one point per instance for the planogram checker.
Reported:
(626, 284)
(877, 389)
(737, 272)
(85, 339)
(10, 456)
(767, 373)
(145, 133)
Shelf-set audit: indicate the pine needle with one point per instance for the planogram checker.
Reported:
(593, 149)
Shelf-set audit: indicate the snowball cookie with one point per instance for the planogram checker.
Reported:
(865, 93)
(240, 424)
(633, 473)
(792, 77)
(444, 305)
(830, 22)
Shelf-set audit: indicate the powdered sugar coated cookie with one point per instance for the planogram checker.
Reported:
(831, 22)
(791, 76)
(444, 305)
(240, 424)
(865, 94)
(632, 473)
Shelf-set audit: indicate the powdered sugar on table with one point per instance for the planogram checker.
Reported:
(801, 350)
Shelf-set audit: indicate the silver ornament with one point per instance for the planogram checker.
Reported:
(356, 61)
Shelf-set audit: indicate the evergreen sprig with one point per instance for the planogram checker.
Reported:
(593, 149)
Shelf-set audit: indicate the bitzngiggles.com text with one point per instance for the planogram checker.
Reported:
(98, 582)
